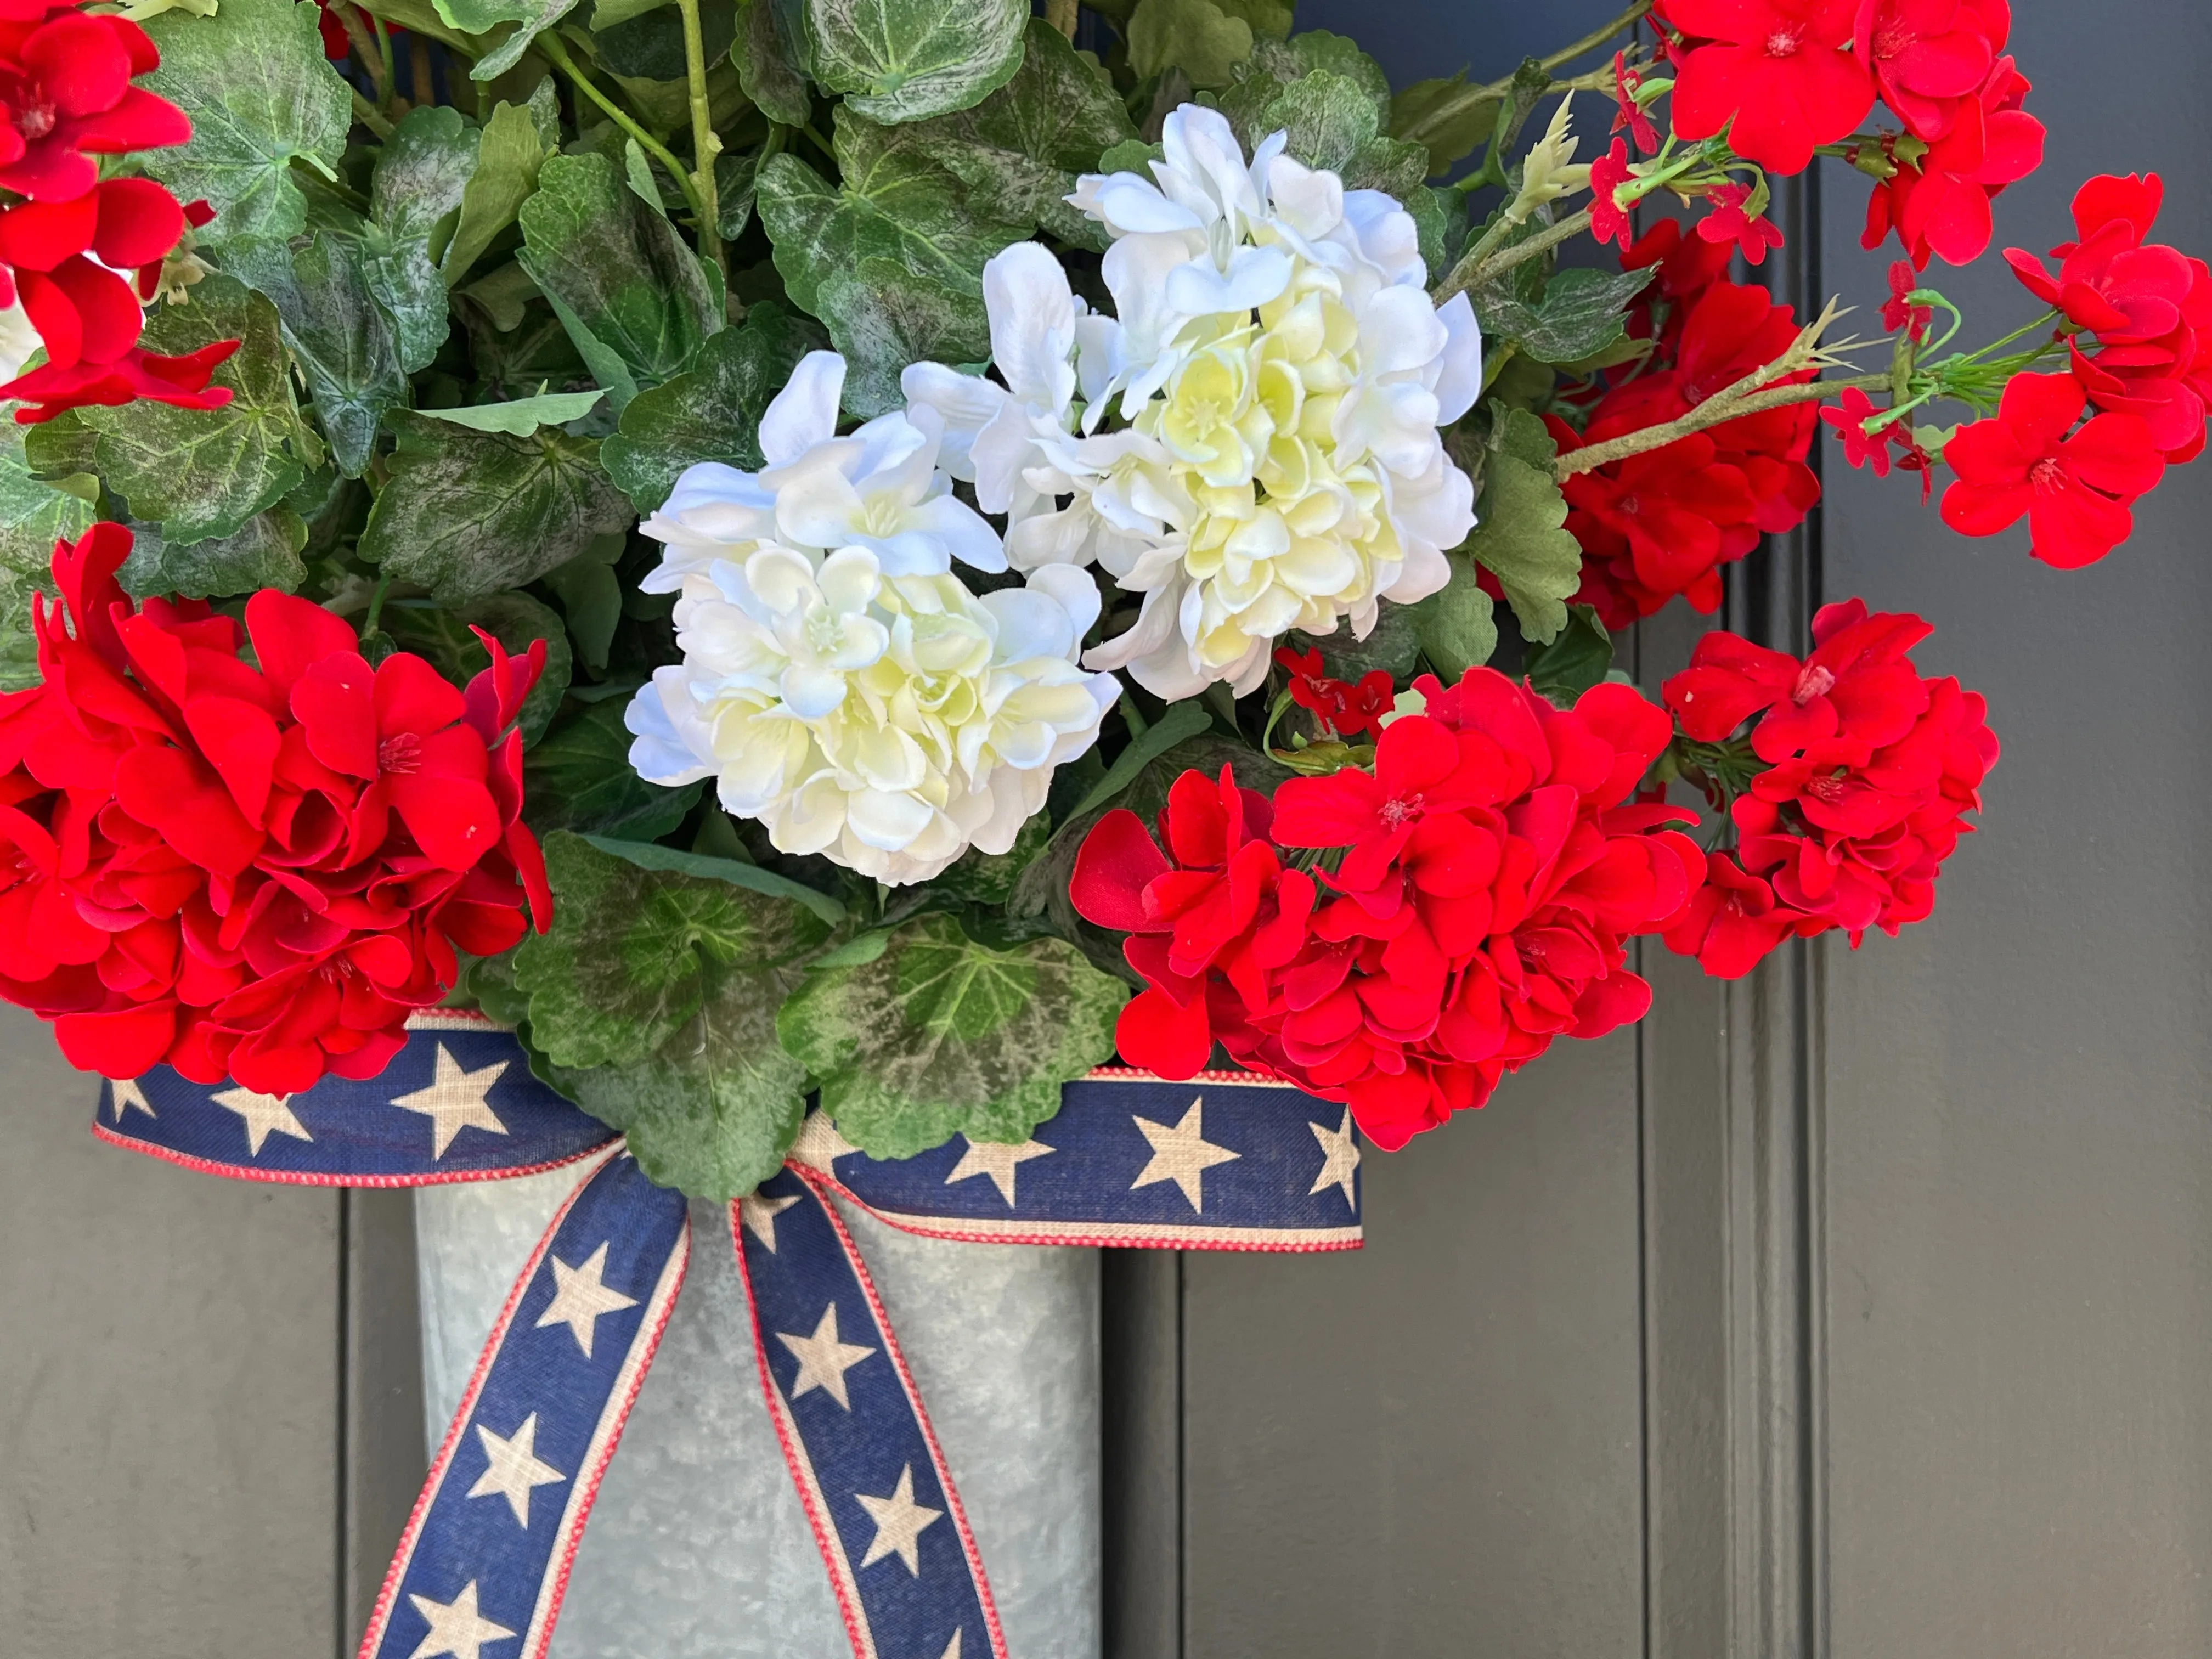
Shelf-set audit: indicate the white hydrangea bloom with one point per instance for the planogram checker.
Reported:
(1285, 378)
(880, 487)
(887, 721)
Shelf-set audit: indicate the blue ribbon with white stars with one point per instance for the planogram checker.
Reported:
(1224, 1161)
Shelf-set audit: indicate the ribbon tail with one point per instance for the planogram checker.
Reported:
(908, 1576)
(484, 1558)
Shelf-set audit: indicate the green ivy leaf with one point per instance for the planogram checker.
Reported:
(423, 171)
(882, 317)
(1203, 40)
(34, 513)
(940, 1036)
(711, 412)
(654, 999)
(895, 202)
(263, 552)
(260, 93)
(1276, 64)
(634, 300)
(1578, 659)
(591, 597)
(1457, 626)
(521, 417)
(205, 472)
(1518, 536)
(469, 515)
(515, 620)
(1579, 314)
(1439, 116)
(508, 157)
(531, 18)
(650, 46)
(579, 778)
(905, 60)
(19, 646)
(768, 66)
(1019, 152)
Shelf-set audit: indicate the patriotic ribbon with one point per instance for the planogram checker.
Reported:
(1224, 1161)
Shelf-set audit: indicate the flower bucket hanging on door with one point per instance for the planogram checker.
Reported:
(752, 602)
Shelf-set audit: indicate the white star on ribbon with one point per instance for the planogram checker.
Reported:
(899, 1524)
(1182, 1154)
(998, 1160)
(512, 1468)
(579, 1298)
(456, 1100)
(1340, 1157)
(130, 1098)
(819, 1145)
(951, 1648)
(822, 1359)
(759, 1216)
(456, 1628)
(264, 1115)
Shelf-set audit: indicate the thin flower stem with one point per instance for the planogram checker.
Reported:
(549, 44)
(1489, 91)
(1478, 264)
(705, 146)
(386, 83)
(368, 116)
(364, 44)
(1722, 406)
(376, 604)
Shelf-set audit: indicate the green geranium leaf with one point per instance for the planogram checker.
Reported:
(1518, 535)
(579, 778)
(205, 472)
(1202, 39)
(654, 999)
(522, 415)
(905, 60)
(1579, 314)
(515, 620)
(1458, 626)
(531, 18)
(882, 317)
(469, 515)
(940, 1036)
(1578, 659)
(591, 597)
(711, 412)
(895, 202)
(768, 65)
(634, 299)
(508, 157)
(424, 170)
(34, 514)
(649, 46)
(988, 878)
(263, 552)
(1276, 64)
(1018, 153)
(260, 93)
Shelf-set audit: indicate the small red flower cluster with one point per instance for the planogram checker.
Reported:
(256, 872)
(1663, 522)
(1869, 767)
(1400, 939)
(65, 96)
(1782, 77)
(1343, 710)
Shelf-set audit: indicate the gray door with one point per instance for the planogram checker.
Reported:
(1862, 1309)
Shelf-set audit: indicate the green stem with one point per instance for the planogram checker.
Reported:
(1489, 91)
(366, 114)
(551, 45)
(2041, 323)
(1722, 406)
(384, 81)
(375, 604)
(1133, 718)
(705, 146)
(1479, 264)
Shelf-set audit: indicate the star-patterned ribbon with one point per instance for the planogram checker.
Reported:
(1225, 1161)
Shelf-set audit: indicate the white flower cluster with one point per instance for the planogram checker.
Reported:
(839, 683)
(1283, 377)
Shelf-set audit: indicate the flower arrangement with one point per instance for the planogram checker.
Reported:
(980, 545)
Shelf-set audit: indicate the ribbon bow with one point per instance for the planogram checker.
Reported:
(1225, 1161)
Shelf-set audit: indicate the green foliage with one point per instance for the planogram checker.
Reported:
(1578, 659)
(203, 473)
(654, 999)
(882, 317)
(712, 411)
(1444, 117)
(468, 514)
(260, 94)
(939, 1035)
(34, 513)
(905, 60)
(1575, 315)
(1458, 626)
(768, 63)
(634, 300)
(263, 552)
(1519, 538)
(579, 778)
(524, 415)
(530, 18)
(1205, 40)
(508, 157)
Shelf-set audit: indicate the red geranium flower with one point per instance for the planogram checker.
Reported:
(1608, 219)
(1776, 70)
(1734, 922)
(1928, 56)
(1687, 267)
(1727, 223)
(193, 879)
(1343, 710)
(1861, 447)
(1941, 204)
(65, 85)
(1857, 685)
(1898, 313)
(2076, 490)
(1628, 113)
(52, 388)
